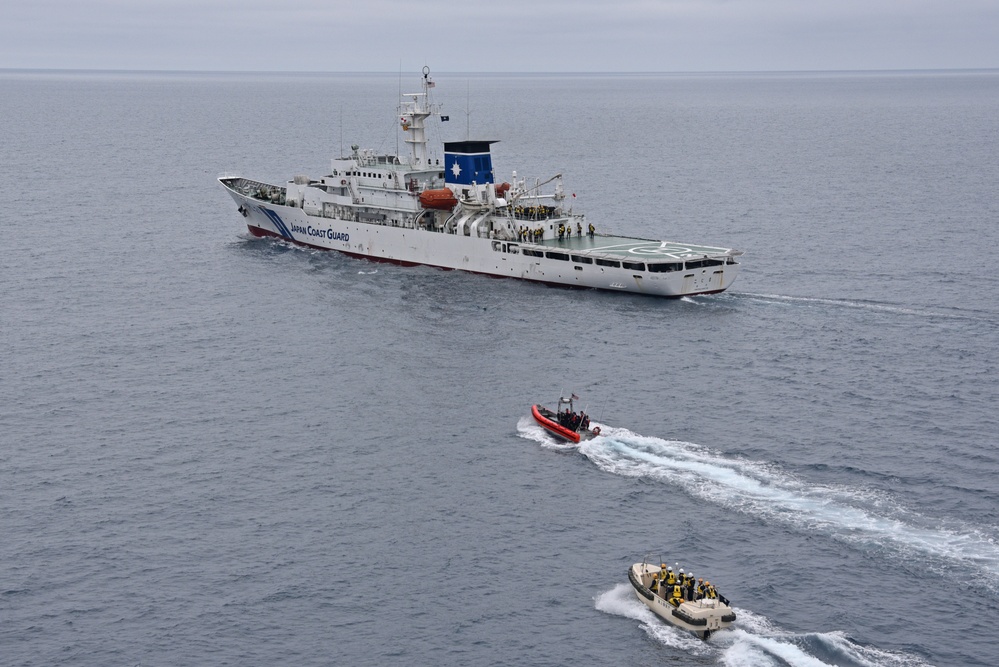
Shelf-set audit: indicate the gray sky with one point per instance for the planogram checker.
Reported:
(499, 36)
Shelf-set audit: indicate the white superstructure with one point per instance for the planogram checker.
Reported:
(450, 213)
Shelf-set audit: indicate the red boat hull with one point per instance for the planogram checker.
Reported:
(553, 427)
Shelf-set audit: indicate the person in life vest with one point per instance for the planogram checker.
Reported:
(670, 576)
(579, 229)
(591, 230)
(677, 597)
(710, 591)
(688, 586)
(561, 231)
(654, 586)
(701, 591)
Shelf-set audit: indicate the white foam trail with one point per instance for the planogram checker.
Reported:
(766, 491)
(621, 601)
(752, 641)
(868, 305)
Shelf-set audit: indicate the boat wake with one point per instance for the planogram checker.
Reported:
(752, 640)
(874, 306)
(855, 516)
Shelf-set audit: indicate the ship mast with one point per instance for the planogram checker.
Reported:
(414, 110)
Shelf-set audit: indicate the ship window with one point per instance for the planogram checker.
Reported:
(730, 260)
(496, 246)
(665, 268)
(634, 266)
(557, 255)
(609, 262)
(705, 262)
(578, 268)
(582, 260)
(533, 253)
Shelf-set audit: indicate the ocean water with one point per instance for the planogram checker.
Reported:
(216, 449)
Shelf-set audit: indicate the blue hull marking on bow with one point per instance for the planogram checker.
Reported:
(278, 222)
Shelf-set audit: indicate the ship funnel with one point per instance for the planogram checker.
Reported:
(467, 162)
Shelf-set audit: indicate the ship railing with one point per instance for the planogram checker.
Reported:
(537, 212)
(258, 190)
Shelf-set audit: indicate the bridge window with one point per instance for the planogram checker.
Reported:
(634, 266)
(557, 255)
(582, 260)
(533, 253)
(609, 262)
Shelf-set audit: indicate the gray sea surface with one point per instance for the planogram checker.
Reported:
(221, 450)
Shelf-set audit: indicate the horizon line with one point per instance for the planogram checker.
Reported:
(491, 72)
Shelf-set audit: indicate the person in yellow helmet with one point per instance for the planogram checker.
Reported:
(659, 579)
(677, 597)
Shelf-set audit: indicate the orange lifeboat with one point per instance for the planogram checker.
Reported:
(442, 199)
(502, 189)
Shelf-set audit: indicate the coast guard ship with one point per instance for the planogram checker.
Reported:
(451, 213)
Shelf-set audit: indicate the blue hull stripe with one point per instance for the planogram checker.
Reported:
(278, 222)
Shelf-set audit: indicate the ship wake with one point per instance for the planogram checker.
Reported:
(860, 517)
(753, 640)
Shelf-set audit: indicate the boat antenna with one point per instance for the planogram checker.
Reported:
(341, 130)
(468, 114)
(397, 150)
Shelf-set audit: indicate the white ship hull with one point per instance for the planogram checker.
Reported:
(505, 259)
(452, 214)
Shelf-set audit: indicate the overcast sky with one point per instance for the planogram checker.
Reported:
(500, 35)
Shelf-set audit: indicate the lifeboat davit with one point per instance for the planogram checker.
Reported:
(443, 199)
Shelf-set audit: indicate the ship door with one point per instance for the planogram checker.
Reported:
(688, 283)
